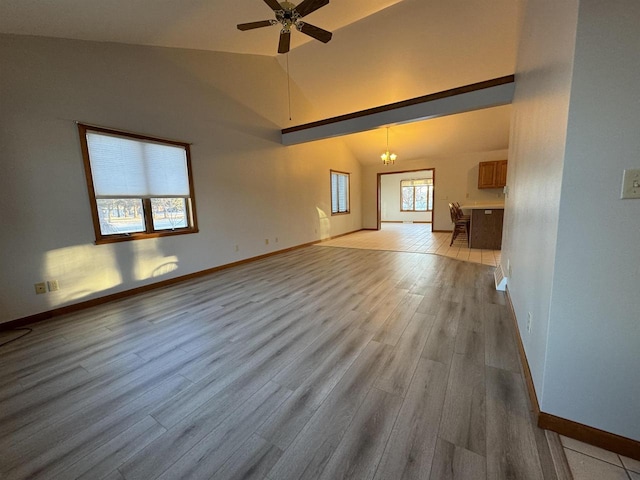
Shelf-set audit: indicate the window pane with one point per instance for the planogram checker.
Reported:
(169, 213)
(342, 193)
(120, 215)
(421, 198)
(339, 192)
(334, 193)
(407, 198)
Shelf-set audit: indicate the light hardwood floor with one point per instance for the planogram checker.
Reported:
(324, 363)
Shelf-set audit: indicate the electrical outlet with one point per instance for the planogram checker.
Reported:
(276, 239)
(630, 184)
(529, 321)
(508, 268)
(52, 285)
(237, 248)
(266, 241)
(40, 288)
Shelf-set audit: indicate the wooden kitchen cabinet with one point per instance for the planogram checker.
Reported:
(492, 174)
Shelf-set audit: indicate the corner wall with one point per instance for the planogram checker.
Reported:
(536, 157)
(592, 374)
(248, 187)
(571, 241)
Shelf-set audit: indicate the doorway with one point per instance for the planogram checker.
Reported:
(406, 196)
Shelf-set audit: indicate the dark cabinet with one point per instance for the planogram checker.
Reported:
(486, 228)
(492, 174)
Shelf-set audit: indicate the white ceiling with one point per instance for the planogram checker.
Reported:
(382, 51)
(197, 24)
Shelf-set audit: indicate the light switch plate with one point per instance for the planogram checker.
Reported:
(631, 184)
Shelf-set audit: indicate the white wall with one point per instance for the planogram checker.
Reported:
(592, 373)
(536, 156)
(456, 179)
(390, 198)
(572, 242)
(248, 187)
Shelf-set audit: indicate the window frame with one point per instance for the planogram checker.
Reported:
(430, 189)
(347, 196)
(147, 212)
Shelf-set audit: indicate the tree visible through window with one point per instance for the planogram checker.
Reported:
(339, 192)
(417, 195)
(139, 186)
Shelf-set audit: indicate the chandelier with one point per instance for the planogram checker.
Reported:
(388, 158)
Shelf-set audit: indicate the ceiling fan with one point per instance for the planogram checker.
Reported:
(287, 15)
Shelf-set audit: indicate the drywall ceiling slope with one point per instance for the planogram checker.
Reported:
(478, 131)
(383, 51)
(410, 49)
(194, 24)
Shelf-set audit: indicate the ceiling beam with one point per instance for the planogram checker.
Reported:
(487, 94)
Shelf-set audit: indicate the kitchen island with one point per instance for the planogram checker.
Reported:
(486, 225)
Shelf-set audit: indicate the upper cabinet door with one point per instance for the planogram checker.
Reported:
(492, 174)
(487, 175)
(501, 173)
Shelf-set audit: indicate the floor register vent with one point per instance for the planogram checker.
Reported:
(500, 278)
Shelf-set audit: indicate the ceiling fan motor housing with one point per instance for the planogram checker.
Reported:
(288, 14)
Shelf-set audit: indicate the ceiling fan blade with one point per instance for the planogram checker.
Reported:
(285, 42)
(252, 25)
(274, 5)
(308, 6)
(315, 32)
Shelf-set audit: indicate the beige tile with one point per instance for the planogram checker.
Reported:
(415, 238)
(584, 467)
(634, 476)
(590, 450)
(631, 464)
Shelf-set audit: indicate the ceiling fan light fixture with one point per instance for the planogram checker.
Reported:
(287, 14)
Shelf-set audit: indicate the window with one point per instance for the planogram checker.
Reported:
(416, 195)
(139, 187)
(339, 192)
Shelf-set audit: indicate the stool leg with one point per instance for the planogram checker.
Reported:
(466, 230)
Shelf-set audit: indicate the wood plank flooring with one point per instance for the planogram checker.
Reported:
(320, 363)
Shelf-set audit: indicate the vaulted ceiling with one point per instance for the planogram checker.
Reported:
(382, 51)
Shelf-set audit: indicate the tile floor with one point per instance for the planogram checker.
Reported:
(592, 463)
(415, 237)
(586, 461)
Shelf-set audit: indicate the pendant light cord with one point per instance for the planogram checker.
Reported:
(289, 86)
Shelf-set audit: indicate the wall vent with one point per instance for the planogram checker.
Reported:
(500, 278)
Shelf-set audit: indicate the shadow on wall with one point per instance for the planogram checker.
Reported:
(84, 270)
(324, 224)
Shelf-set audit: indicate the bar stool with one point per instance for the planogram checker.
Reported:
(460, 224)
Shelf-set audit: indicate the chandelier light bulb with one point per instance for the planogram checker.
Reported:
(388, 158)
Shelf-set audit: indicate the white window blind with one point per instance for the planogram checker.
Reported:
(416, 183)
(339, 192)
(124, 168)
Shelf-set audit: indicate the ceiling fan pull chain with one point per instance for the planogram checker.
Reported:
(289, 86)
